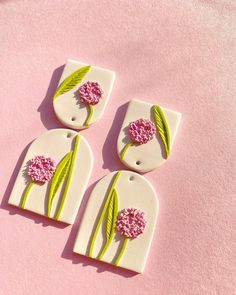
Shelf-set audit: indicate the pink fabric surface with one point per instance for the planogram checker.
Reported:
(179, 54)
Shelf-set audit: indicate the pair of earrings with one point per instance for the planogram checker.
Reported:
(120, 217)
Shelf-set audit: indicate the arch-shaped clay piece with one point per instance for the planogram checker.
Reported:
(68, 107)
(56, 144)
(146, 157)
(132, 191)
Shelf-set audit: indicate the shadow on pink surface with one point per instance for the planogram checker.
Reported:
(45, 109)
(111, 160)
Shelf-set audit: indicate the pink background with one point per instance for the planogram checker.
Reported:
(180, 54)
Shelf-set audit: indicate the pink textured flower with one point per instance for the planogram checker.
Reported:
(141, 131)
(90, 92)
(131, 223)
(41, 169)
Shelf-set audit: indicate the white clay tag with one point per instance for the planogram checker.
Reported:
(119, 221)
(54, 175)
(82, 94)
(147, 135)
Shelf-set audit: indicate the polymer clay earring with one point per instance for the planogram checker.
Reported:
(54, 175)
(119, 221)
(147, 135)
(82, 94)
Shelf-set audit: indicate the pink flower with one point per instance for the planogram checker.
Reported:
(41, 169)
(131, 223)
(90, 93)
(141, 131)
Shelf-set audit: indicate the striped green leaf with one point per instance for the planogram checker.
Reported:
(112, 215)
(58, 178)
(114, 206)
(112, 212)
(69, 178)
(162, 128)
(70, 82)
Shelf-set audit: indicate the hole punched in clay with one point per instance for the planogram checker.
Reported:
(82, 85)
(131, 178)
(147, 134)
(55, 187)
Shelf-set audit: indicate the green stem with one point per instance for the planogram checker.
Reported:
(125, 149)
(74, 155)
(121, 251)
(90, 115)
(26, 194)
(102, 215)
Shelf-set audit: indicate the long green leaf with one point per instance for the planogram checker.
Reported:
(112, 212)
(69, 178)
(71, 81)
(112, 215)
(104, 210)
(59, 176)
(162, 128)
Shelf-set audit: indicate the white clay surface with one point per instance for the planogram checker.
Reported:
(146, 157)
(55, 144)
(67, 106)
(133, 191)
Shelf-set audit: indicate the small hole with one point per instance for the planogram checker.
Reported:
(138, 163)
(131, 178)
(73, 119)
(68, 135)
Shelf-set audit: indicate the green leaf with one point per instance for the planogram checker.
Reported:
(162, 128)
(112, 212)
(59, 176)
(69, 178)
(101, 218)
(71, 81)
